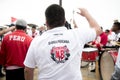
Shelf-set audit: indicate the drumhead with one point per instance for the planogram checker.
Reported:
(106, 66)
(89, 49)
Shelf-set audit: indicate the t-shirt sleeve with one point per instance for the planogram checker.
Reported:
(86, 35)
(2, 52)
(30, 57)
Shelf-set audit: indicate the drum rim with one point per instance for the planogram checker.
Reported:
(90, 49)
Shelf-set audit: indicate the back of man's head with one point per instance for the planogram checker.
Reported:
(21, 24)
(55, 16)
(34, 26)
(116, 27)
(117, 24)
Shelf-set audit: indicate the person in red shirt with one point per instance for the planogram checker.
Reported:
(13, 51)
(100, 41)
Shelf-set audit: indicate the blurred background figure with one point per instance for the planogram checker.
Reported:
(42, 29)
(100, 40)
(3, 31)
(116, 20)
(107, 32)
(116, 30)
(1, 37)
(33, 32)
(9, 26)
(13, 51)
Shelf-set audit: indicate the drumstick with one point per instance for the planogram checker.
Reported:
(91, 45)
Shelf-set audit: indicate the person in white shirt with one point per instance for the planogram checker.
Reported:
(42, 29)
(33, 32)
(116, 74)
(57, 52)
(116, 30)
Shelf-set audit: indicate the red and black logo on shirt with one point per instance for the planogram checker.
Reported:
(60, 54)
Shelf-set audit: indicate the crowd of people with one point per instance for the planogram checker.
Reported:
(55, 51)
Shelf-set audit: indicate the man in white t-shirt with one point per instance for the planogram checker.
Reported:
(57, 52)
(33, 32)
(116, 29)
(116, 74)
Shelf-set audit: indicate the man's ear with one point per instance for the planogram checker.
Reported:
(64, 21)
(46, 23)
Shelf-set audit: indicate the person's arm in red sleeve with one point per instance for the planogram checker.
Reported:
(104, 40)
(99, 46)
(2, 53)
(93, 43)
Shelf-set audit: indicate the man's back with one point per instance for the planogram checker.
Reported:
(15, 46)
(57, 53)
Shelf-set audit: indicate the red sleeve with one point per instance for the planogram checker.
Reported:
(93, 43)
(98, 46)
(2, 53)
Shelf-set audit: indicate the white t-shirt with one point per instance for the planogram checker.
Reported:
(35, 34)
(112, 36)
(118, 59)
(57, 53)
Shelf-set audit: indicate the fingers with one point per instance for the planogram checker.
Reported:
(78, 13)
(82, 11)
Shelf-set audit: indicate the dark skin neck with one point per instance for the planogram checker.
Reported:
(48, 28)
(117, 31)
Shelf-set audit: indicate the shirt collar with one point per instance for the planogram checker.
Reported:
(20, 31)
(62, 28)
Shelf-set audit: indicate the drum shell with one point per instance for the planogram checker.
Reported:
(89, 55)
(113, 55)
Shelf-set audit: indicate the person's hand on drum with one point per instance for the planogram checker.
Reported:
(91, 45)
(94, 46)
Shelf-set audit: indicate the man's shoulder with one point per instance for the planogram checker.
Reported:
(7, 35)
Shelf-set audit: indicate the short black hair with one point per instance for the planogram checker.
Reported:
(34, 26)
(117, 24)
(55, 16)
(107, 31)
(101, 27)
(18, 27)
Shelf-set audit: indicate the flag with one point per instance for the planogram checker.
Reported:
(13, 19)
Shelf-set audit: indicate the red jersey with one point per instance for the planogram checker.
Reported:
(103, 41)
(14, 48)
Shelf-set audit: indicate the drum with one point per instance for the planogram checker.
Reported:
(89, 54)
(107, 62)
